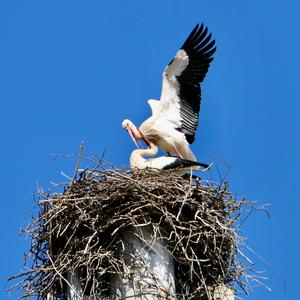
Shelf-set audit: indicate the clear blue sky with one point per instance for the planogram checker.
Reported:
(73, 70)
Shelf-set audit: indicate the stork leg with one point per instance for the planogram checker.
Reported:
(178, 153)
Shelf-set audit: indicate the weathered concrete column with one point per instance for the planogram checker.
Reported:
(223, 292)
(74, 291)
(150, 269)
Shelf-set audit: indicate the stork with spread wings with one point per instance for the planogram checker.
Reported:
(175, 116)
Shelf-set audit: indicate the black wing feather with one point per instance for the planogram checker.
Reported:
(199, 47)
(183, 163)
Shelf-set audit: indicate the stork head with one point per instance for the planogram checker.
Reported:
(132, 130)
(127, 124)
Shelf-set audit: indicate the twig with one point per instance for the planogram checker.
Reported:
(78, 162)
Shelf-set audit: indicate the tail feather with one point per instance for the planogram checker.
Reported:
(184, 163)
(189, 163)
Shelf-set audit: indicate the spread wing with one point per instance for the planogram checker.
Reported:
(181, 93)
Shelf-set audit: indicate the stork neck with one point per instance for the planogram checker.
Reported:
(137, 159)
(145, 152)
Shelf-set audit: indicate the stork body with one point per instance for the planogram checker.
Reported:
(174, 119)
(176, 164)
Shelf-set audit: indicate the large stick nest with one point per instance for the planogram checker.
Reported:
(80, 230)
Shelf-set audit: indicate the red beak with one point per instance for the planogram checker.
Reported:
(144, 138)
(133, 137)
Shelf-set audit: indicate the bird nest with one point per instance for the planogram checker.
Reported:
(79, 231)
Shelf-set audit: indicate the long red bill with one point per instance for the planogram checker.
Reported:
(144, 138)
(133, 137)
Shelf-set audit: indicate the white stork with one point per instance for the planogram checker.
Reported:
(174, 119)
(137, 161)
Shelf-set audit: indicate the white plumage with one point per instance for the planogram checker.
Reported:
(176, 164)
(174, 119)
